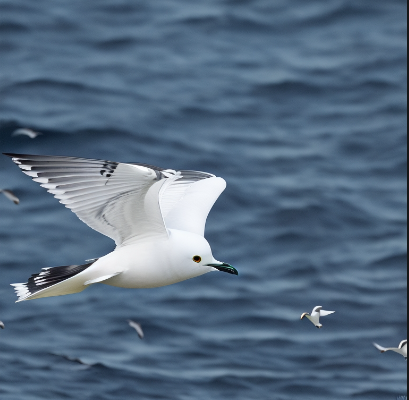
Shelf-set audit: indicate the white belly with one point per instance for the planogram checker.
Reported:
(146, 265)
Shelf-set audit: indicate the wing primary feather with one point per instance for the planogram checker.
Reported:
(110, 197)
(106, 195)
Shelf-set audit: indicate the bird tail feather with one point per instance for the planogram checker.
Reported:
(57, 281)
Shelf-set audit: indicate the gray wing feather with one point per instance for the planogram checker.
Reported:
(108, 196)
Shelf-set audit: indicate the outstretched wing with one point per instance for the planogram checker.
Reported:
(186, 202)
(403, 343)
(324, 313)
(380, 348)
(316, 310)
(118, 200)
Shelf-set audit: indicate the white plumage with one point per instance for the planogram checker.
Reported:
(314, 317)
(402, 349)
(155, 216)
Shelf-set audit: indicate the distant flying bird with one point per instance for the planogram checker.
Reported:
(10, 195)
(27, 132)
(156, 216)
(314, 317)
(137, 327)
(72, 359)
(2, 325)
(402, 349)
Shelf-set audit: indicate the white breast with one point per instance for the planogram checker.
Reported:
(150, 264)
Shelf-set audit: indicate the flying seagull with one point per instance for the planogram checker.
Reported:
(402, 349)
(155, 216)
(72, 359)
(10, 195)
(137, 327)
(26, 132)
(314, 317)
(2, 326)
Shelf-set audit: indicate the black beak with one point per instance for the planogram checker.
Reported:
(224, 268)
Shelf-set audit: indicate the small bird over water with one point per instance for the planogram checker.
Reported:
(402, 349)
(137, 327)
(2, 326)
(156, 216)
(10, 195)
(26, 132)
(314, 317)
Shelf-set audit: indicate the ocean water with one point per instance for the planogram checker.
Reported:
(301, 107)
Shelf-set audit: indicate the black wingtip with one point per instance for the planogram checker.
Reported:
(17, 155)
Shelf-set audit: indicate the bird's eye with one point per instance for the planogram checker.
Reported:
(197, 259)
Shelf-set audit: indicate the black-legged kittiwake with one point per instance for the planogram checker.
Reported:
(314, 317)
(156, 217)
(402, 349)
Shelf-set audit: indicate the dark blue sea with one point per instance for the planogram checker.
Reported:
(301, 107)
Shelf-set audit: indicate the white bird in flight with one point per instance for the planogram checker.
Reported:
(402, 349)
(2, 326)
(157, 218)
(26, 132)
(10, 195)
(137, 327)
(314, 317)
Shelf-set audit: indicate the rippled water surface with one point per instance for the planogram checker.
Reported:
(301, 107)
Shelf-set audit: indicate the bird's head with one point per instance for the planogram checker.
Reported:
(195, 254)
